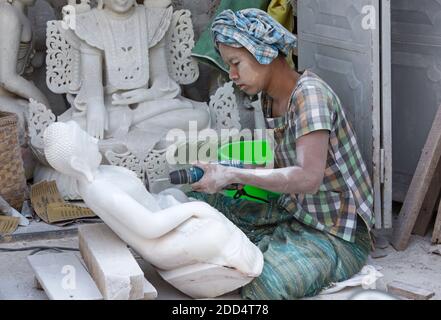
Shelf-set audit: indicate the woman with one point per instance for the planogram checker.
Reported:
(317, 232)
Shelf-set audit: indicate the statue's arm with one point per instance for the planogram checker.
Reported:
(165, 87)
(92, 90)
(130, 213)
(10, 27)
(91, 74)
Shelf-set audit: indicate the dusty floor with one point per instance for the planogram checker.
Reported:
(17, 279)
(414, 266)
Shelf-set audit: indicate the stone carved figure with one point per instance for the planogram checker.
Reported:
(121, 66)
(125, 91)
(39, 14)
(192, 245)
(16, 52)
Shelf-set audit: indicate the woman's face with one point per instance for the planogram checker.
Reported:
(248, 74)
(119, 6)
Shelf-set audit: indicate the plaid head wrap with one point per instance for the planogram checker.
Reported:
(255, 30)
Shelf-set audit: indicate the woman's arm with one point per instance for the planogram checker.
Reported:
(305, 177)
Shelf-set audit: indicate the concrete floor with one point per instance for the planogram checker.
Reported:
(414, 266)
(17, 281)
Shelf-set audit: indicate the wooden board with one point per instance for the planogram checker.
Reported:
(409, 291)
(436, 236)
(63, 277)
(419, 186)
(429, 205)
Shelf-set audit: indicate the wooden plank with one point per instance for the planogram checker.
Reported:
(436, 235)
(376, 120)
(63, 277)
(427, 211)
(111, 264)
(409, 291)
(378, 253)
(421, 181)
(435, 249)
(386, 111)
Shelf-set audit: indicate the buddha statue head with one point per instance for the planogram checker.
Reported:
(70, 150)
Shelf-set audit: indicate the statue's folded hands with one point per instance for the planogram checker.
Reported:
(133, 96)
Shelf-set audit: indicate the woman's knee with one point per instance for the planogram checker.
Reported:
(287, 282)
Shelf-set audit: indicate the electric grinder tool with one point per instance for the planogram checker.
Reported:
(194, 173)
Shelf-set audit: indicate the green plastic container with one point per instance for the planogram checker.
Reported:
(256, 152)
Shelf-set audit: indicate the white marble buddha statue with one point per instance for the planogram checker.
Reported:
(15, 57)
(192, 245)
(127, 94)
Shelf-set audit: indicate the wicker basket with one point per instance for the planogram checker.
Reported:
(12, 174)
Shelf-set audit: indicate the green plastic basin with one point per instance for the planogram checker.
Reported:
(255, 152)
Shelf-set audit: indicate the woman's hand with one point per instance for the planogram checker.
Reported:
(215, 178)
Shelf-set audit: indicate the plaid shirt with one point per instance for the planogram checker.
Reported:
(346, 188)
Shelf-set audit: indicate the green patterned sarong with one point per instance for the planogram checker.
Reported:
(299, 261)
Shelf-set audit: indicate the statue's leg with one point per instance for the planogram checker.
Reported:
(120, 121)
(149, 109)
(177, 115)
